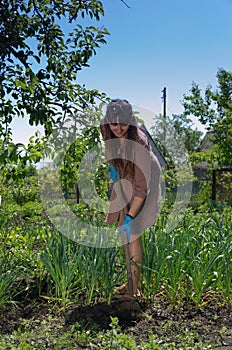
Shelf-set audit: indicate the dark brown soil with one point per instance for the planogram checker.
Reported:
(211, 323)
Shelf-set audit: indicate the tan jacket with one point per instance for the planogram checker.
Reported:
(144, 183)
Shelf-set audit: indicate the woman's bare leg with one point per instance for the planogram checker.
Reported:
(135, 255)
(135, 249)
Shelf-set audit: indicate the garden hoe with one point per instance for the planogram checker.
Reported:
(128, 266)
(132, 306)
(129, 309)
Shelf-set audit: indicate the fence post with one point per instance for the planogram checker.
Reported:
(213, 195)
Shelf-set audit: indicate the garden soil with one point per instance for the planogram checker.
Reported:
(212, 323)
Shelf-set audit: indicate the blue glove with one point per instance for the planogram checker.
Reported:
(114, 174)
(127, 226)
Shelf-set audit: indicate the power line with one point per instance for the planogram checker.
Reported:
(125, 4)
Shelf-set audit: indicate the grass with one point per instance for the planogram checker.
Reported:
(51, 334)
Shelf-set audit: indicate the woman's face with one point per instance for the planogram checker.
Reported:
(119, 129)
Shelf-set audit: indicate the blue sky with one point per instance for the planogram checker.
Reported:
(156, 44)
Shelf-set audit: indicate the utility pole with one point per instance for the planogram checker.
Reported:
(164, 98)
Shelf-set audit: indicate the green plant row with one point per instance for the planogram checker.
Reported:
(192, 263)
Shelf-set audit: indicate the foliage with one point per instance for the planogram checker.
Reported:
(43, 46)
(20, 195)
(18, 257)
(84, 143)
(224, 182)
(22, 189)
(178, 178)
(176, 130)
(214, 109)
(177, 140)
(75, 152)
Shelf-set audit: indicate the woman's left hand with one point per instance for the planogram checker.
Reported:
(127, 226)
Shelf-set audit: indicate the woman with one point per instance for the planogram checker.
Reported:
(134, 201)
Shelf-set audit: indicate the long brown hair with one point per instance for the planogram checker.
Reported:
(120, 111)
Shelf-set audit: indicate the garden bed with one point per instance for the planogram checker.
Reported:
(39, 324)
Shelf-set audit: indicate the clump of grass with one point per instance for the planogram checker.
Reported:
(76, 269)
(9, 273)
(192, 258)
(62, 262)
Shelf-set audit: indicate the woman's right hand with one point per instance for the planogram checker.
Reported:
(127, 226)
